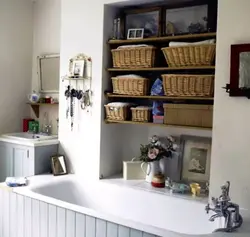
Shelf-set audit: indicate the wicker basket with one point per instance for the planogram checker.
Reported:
(188, 85)
(141, 114)
(117, 111)
(190, 55)
(132, 57)
(188, 115)
(130, 86)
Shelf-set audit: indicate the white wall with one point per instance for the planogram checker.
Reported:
(231, 132)
(46, 40)
(96, 148)
(15, 62)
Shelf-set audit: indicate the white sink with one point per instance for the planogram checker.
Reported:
(30, 136)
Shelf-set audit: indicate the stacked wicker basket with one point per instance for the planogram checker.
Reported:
(189, 85)
(174, 84)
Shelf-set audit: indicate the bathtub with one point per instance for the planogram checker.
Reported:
(67, 207)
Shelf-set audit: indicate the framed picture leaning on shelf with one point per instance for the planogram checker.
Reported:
(195, 159)
(149, 19)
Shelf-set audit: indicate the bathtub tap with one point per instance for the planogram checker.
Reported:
(223, 207)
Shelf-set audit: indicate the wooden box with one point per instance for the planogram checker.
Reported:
(188, 115)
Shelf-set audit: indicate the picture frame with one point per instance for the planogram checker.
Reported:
(58, 165)
(78, 68)
(148, 18)
(186, 19)
(195, 159)
(135, 33)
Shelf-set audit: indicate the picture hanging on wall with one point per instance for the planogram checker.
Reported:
(187, 20)
(148, 19)
(195, 158)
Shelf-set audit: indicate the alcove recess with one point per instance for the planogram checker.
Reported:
(161, 67)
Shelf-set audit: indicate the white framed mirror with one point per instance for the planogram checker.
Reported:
(49, 73)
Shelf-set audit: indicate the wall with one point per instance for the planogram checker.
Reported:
(231, 133)
(96, 148)
(15, 62)
(46, 40)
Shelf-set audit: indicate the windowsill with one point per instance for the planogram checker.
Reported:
(143, 185)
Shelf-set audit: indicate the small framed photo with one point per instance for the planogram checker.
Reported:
(149, 19)
(135, 33)
(78, 68)
(195, 158)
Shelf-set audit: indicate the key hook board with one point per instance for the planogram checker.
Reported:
(78, 91)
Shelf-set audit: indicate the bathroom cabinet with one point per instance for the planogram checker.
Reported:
(22, 160)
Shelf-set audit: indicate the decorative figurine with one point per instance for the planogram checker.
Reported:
(195, 189)
(170, 29)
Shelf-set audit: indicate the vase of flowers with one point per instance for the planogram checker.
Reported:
(153, 156)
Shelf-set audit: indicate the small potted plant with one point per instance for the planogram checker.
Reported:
(153, 153)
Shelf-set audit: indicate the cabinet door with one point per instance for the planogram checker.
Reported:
(21, 164)
(5, 162)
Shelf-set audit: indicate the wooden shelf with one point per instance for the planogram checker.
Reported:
(165, 38)
(152, 97)
(35, 107)
(161, 69)
(154, 124)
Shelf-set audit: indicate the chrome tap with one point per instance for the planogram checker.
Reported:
(47, 129)
(223, 207)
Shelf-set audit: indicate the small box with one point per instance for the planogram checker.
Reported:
(158, 119)
(132, 170)
(34, 126)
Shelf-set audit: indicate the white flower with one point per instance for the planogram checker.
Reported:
(175, 146)
(170, 138)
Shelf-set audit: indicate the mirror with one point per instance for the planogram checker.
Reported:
(58, 165)
(239, 71)
(244, 70)
(49, 73)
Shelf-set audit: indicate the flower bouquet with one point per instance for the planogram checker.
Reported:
(157, 149)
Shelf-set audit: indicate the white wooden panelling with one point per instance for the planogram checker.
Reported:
(70, 223)
(112, 229)
(146, 235)
(123, 231)
(43, 207)
(101, 228)
(13, 214)
(90, 226)
(61, 222)
(35, 218)
(1, 212)
(20, 216)
(27, 217)
(52, 221)
(80, 225)
(135, 233)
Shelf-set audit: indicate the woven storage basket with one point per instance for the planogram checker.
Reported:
(188, 85)
(117, 111)
(130, 86)
(188, 115)
(141, 114)
(132, 57)
(190, 55)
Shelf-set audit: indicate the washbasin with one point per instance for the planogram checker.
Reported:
(30, 136)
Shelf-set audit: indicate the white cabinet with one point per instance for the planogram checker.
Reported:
(20, 160)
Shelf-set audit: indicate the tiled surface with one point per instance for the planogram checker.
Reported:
(141, 184)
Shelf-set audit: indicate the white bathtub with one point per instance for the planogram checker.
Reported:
(120, 211)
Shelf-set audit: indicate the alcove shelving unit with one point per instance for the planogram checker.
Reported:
(161, 66)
